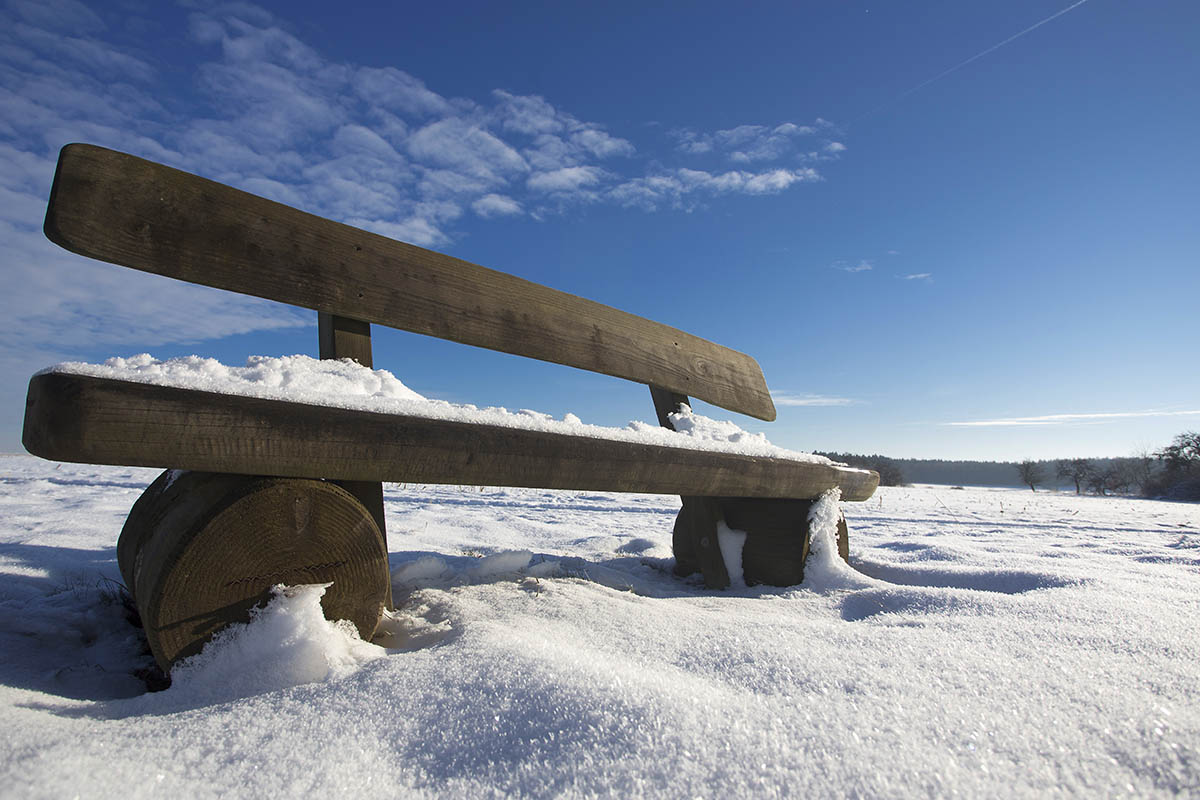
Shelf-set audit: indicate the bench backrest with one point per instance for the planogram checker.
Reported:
(126, 210)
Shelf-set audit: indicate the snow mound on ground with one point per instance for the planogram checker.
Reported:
(342, 383)
(286, 643)
(434, 571)
(825, 571)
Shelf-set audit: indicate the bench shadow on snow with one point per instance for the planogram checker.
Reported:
(914, 589)
(133, 484)
(64, 626)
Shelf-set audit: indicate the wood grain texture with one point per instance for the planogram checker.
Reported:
(777, 538)
(339, 337)
(201, 549)
(128, 211)
(102, 421)
(696, 542)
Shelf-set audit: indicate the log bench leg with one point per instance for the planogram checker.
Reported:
(201, 549)
(777, 539)
(696, 543)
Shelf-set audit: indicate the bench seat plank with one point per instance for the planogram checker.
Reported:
(85, 419)
(129, 211)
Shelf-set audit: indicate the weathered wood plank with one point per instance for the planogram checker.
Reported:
(101, 421)
(125, 210)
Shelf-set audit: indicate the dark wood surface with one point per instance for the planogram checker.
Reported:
(201, 549)
(694, 538)
(697, 543)
(128, 211)
(666, 403)
(777, 538)
(339, 337)
(101, 421)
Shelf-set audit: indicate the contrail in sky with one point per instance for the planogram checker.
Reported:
(972, 59)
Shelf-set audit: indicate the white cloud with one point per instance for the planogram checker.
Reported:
(97, 57)
(747, 144)
(600, 144)
(815, 400)
(1068, 419)
(496, 205)
(416, 230)
(769, 182)
(918, 276)
(67, 16)
(528, 114)
(674, 189)
(466, 147)
(357, 139)
(861, 266)
(371, 146)
(569, 179)
(62, 303)
(397, 91)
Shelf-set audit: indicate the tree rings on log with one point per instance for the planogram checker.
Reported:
(201, 549)
(777, 539)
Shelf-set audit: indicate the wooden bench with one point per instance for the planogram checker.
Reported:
(260, 492)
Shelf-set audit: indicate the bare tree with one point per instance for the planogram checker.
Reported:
(1142, 469)
(1077, 469)
(1180, 478)
(1103, 481)
(1182, 455)
(1031, 474)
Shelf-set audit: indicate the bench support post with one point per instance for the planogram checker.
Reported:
(695, 539)
(341, 337)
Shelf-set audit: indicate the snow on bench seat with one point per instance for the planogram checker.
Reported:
(302, 417)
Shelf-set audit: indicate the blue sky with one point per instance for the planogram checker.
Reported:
(944, 229)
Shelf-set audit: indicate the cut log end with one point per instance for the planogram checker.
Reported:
(200, 550)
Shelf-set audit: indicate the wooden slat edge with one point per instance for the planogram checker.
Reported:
(101, 421)
(125, 210)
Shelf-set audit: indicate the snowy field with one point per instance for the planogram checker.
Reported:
(994, 643)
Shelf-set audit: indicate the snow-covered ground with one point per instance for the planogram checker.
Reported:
(997, 643)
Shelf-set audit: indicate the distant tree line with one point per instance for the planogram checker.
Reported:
(889, 469)
(1171, 473)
